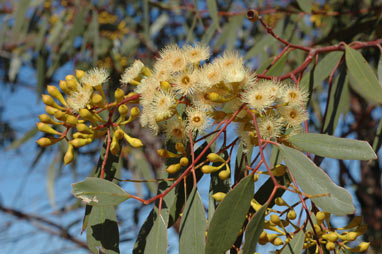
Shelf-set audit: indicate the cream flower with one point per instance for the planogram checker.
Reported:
(196, 53)
(162, 104)
(186, 82)
(294, 96)
(211, 74)
(95, 77)
(172, 58)
(293, 115)
(132, 72)
(176, 130)
(258, 97)
(197, 120)
(270, 127)
(79, 99)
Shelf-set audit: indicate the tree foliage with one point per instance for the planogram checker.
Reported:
(328, 54)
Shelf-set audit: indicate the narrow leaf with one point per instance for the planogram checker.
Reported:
(305, 5)
(102, 230)
(314, 181)
(99, 192)
(363, 79)
(193, 225)
(378, 137)
(254, 229)
(229, 217)
(213, 9)
(278, 67)
(157, 238)
(20, 15)
(333, 147)
(295, 245)
(379, 69)
(27, 136)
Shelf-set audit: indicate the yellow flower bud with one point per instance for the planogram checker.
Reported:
(71, 82)
(219, 196)
(291, 215)
(320, 216)
(255, 205)
(47, 141)
(255, 177)
(79, 142)
(215, 97)
(207, 169)
(179, 147)
(213, 157)
(47, 129)
(134, 112)
(263, 239)
(50, 102)
(351, 236)
(64, 87)
(277, 241)
(146, 71)
(224, 174)
(118, 134)
(173, 168)
(44, 118)
(362, 247)
(134, 142)
(317, 228)
(330, 246)
(281, 202)
(89, 116)
(330, 237)
(97, 100)
(165, 85)
(80, 74)
(184, 161)
(271, 237)
(58, 114)
(275, 219)
(123, 110)
(50, 110)
(82, 135)
(167, 154)
(69, 155)
(71, 120)
(119, 95)
(115, 148)
(55, 93)
(83, 128)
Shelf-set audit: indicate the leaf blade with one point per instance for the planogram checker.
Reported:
(229, 217)
(314, 181)
(295, 245)
(157, 238)
(363, 79)
(333, 147)
(254, 229)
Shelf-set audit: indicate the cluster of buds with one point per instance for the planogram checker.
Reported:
(182, 95)
(180, 154)
(78, 113)
(334, 239)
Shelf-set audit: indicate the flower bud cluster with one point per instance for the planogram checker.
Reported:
(78, 109)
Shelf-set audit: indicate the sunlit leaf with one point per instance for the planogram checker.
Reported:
(102, 230)
(193, 225)
(99, 192)
(229, 217)
(333, 147)
(295, 245)
(314, 181)
(157, 238)
(253, 231)
(363, 79)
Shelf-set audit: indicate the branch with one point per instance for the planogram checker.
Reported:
(42, 224)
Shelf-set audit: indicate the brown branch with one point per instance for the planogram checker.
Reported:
(42, 224)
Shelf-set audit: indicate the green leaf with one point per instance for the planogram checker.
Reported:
(295, 245)
(20, 15)
(338, 102)
(102, 230)
(379, 69)
(363, 79)
(157, 238)
(378, 137)
(207, 36)
(50, 180)
(333, 147)
(99, 192)
(27, 136)
(264, 65)
(305, 5)
(229, 217)
(314, 181)
(193, 225)
(278, 67)
(253, 231)
(322, 70)
(140, 163)
(213, 9)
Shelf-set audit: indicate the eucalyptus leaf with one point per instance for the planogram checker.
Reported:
(295, 245)
(157, 238)
(314, 181)
(99, 192)
(253, 231)
(193, 225)
(305, 5)
(213, 9)
(333, 147)
(229, 217)
(363, 79)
